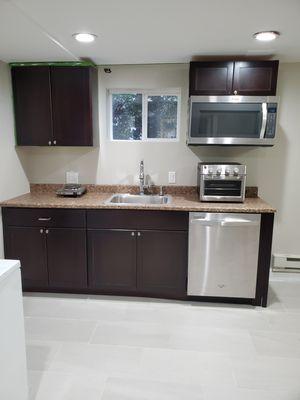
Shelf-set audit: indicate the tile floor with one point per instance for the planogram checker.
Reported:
(107, 348)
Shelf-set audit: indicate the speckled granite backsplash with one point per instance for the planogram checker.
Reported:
(251, 191)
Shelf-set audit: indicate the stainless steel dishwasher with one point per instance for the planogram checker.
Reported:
(223, 254)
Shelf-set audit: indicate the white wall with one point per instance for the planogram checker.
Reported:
(274, 170)
(13, 180)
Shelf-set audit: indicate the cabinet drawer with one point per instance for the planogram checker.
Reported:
(136, 219)
(45, 217)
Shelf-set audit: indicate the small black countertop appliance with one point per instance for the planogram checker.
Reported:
(71, 190)
(221, 182)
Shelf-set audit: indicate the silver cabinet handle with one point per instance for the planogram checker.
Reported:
(139, 233)
(44, 219)
(54, 142)
(132, 233)
(41, 230)
(49, 143)
(47, 231)
(235, 92)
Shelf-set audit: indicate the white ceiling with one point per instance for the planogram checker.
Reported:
(146, 31)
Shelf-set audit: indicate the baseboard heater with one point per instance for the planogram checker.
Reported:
(286, 263)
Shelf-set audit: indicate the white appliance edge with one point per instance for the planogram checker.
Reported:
(13, 368)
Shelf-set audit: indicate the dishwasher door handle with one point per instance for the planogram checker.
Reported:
(204, 222)
(224, 222)
(239, 222)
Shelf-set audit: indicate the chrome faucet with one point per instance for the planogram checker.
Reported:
(142, 178)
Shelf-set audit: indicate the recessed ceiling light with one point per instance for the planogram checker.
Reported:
(266, 36)
(84, 37)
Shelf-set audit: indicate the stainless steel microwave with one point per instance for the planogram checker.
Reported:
(232, 120)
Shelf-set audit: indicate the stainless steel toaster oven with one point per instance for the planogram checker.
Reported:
(221, 182)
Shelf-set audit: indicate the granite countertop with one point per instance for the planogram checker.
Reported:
(43, 196)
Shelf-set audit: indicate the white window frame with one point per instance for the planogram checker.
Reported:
(145, 94)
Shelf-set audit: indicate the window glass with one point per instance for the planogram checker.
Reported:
(127, 116)
(162, 117)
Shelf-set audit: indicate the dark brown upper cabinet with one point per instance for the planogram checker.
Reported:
(32, 103)
(257, 78)
(72, 106)
(55, 105)
(211, 78)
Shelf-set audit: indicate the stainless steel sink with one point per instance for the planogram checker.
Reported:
(126, 198)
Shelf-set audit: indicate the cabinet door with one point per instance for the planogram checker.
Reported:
(112, 260)
(211, 78)
(255, 78)
(67, 263)
(162, 262)
(72, 106)
(29, 246)
(32, 105)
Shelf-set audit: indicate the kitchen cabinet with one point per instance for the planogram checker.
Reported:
(55, 105)
(145, 262)
(66, 257)
(51, 257)
(71, 93)
(119, 252)
(32, 106)
(213, 78)
(257, 78)
(28, 245)
(162, 262)
(112, 259)
(138, 252)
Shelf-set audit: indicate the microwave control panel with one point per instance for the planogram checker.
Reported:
(271, 120)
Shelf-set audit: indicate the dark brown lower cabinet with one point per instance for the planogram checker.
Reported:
(112, 259)
(143, 262)
(66, 254)
(122, 252)
(29, 246)
(162, 262)
(53, 258)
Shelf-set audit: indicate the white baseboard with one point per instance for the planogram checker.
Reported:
(286, 263)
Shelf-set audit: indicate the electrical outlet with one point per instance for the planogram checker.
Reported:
(172, 177)
(72, 177)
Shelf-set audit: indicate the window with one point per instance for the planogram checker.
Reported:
(144, 115)
(127, 116)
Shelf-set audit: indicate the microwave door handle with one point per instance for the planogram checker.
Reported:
(264, 120)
